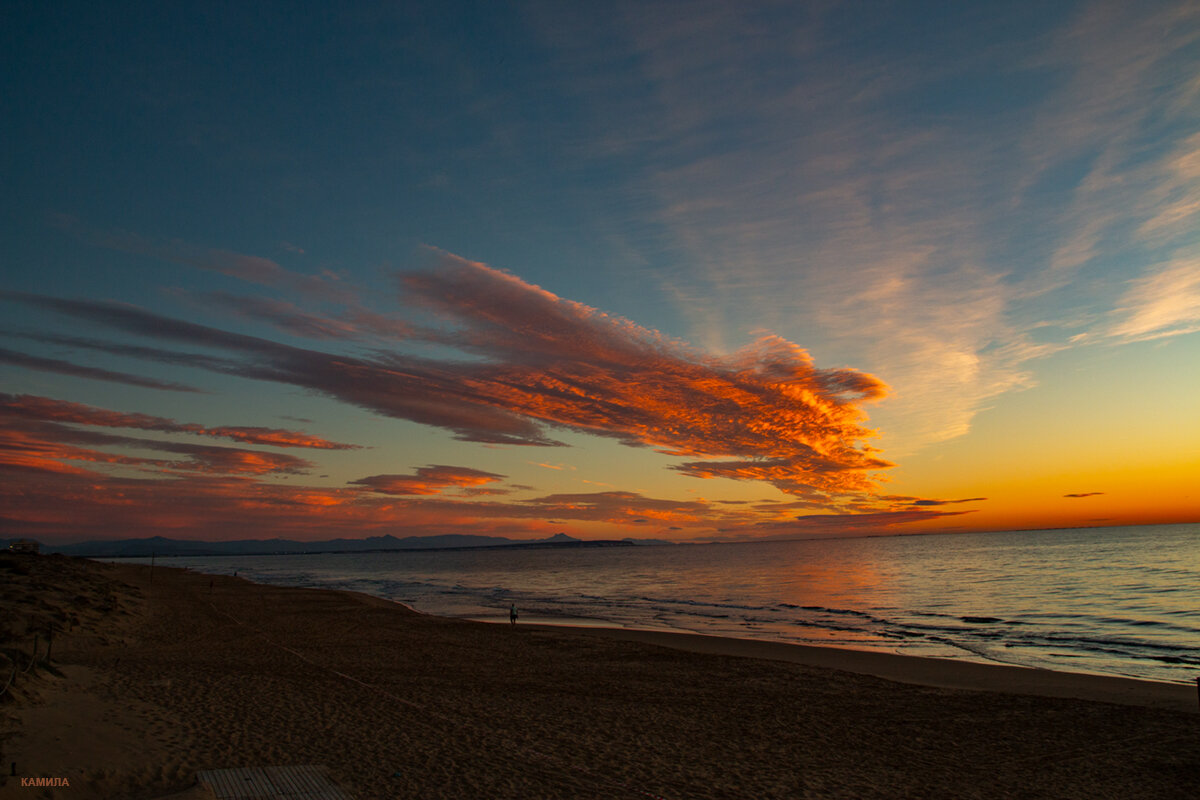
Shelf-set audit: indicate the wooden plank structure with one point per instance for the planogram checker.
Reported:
(307, 782)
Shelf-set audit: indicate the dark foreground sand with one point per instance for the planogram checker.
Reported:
(156, 681)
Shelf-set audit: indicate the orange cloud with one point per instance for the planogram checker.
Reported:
(46, 492)
(70, 505)
(31, 437)
(49, 409)
(43, 443)
(810, 525)
(82, 506)
(541, 362)
(34, 450)
(619, 507)
(428, 480)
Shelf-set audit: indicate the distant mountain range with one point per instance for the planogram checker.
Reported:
(161, 546)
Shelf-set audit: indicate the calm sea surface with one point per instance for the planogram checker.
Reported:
(1122, 601)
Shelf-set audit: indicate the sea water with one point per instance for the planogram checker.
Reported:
(1120, 601)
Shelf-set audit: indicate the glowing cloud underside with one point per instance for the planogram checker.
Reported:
(48, 409)
(763, 414)
(428, 480)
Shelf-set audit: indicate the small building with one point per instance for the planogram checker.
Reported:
(24, 546)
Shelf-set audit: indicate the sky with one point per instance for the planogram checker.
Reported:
(686, 271)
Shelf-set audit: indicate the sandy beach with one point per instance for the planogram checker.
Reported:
(157, 674)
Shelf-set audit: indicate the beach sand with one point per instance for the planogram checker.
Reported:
(156, 680)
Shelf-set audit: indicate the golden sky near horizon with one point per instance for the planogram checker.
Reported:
(766, 271)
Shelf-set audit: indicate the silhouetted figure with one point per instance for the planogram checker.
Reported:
(512, 614)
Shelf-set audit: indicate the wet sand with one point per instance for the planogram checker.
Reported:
(940, 672)
(158, 680)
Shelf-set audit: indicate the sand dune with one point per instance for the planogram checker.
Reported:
(402, 705)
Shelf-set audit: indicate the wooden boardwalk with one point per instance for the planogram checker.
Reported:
(308, 782)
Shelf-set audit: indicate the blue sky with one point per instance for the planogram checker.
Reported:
(983, 207)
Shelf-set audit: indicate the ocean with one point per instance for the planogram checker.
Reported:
(1117, 601)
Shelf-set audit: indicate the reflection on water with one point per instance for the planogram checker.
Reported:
(1111, 600)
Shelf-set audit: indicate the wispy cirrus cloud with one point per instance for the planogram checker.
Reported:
(249, 268)
(1126, 75)
(925, 208)
(540, 361)
(1174, 203)
(285, 316)
(353, 322)
(1164, 303)
(160, 355)
(26, 361)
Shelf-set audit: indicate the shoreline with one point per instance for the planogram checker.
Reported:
(1105, 635)
(931, 671)
(942, 673)
(928, 671)
(158, 676)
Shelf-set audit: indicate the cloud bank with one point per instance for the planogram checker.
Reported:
(67, 478)
(537, 362)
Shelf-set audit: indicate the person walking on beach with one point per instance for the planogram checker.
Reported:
(512, 614)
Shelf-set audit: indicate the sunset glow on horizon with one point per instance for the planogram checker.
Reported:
(760, 271)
